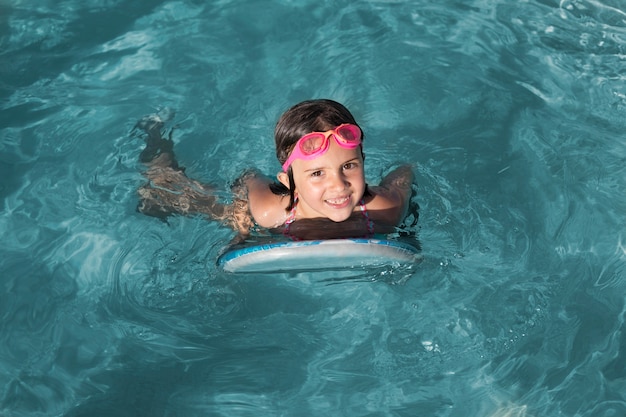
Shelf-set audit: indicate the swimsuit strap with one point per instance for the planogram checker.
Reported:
(370, 223)
(292, 215)
(290, 218)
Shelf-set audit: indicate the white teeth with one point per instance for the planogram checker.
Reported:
(337, 200)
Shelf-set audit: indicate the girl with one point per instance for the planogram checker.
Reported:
(321, 191)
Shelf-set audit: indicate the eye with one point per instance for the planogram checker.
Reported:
(350, 165)
(317, 173)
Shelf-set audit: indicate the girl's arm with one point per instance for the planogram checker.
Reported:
(322, 228)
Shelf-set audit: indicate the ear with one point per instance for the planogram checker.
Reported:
(283, 178)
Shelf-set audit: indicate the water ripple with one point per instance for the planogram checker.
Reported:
(511, 114)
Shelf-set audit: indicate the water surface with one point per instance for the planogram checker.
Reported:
(512, 115)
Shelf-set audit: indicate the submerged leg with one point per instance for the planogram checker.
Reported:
(159, 150)
(168, 190)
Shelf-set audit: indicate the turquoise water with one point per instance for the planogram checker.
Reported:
(511, 112)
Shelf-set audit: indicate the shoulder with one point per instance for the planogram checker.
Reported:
(399, 180)
(267, 208)
(389, 200)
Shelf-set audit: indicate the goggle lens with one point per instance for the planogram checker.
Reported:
(312, 143)
(349, 134)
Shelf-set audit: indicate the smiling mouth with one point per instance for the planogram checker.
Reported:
(340, 202)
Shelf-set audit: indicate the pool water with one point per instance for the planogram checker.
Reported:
(511, 113)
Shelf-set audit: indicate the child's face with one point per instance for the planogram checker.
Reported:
(331, 185)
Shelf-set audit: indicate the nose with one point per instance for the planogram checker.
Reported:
(339, 181)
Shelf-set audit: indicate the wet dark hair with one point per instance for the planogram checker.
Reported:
(308, 116)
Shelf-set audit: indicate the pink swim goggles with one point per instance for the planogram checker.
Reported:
(315, 144)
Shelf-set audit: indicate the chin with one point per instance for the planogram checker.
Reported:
(338, 218)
